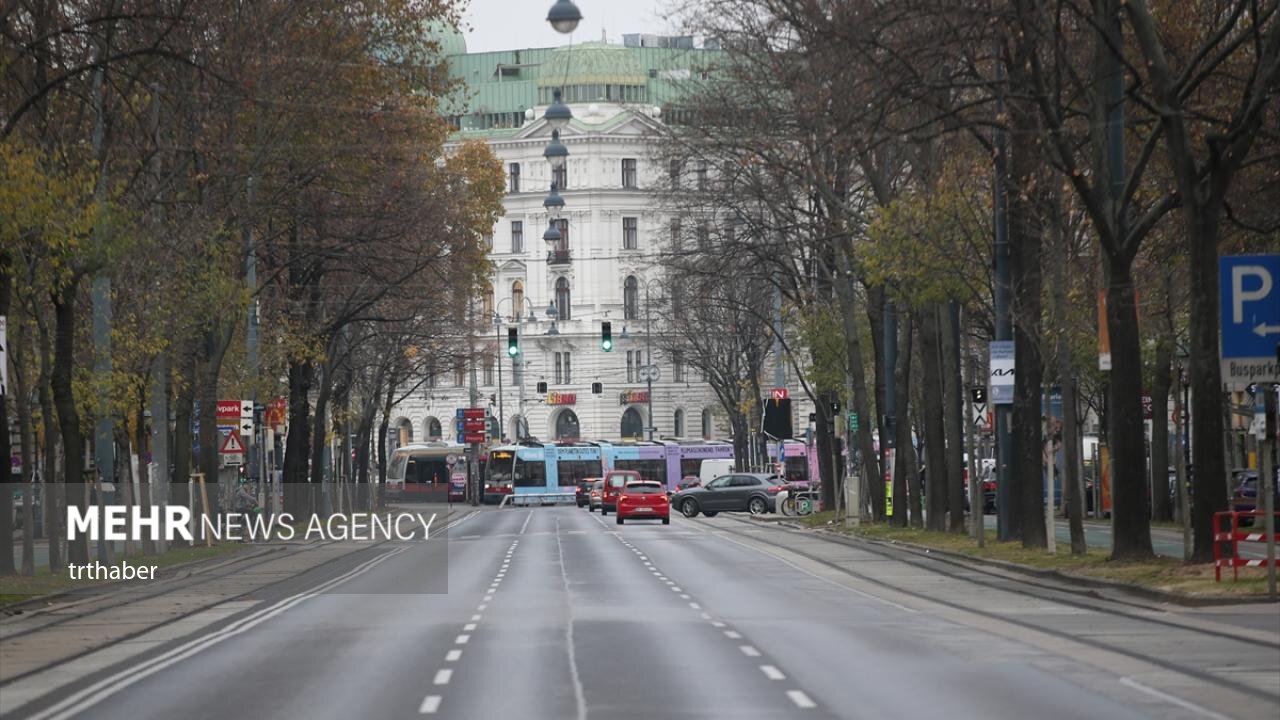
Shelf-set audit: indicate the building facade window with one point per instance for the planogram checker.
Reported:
(563, 226)
(560, 176)
(630, 298)
(630, 233)
(459, 377)
(517, 236)
(678, 423)
(517, 371)
(628, 172)
(677, 365)
(517, 299)
(706, 424)
(431, 380)
(673, 173)
(513, 177)
(676, 243)
(433, 429)
(564, 305)
(704, 235)
(677, 301)
(488, 371)
(631, 366)
(563, 376)
(700, 176)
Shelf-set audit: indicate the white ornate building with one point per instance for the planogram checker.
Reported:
(604, 268)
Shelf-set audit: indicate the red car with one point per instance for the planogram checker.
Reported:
(614, 480)
(643, 499)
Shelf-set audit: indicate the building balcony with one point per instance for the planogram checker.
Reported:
(559, 257)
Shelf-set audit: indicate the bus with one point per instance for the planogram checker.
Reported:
(421, 472)
(556, 468)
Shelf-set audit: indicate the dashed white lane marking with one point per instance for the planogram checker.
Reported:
(685, 596)
(526, 522)
(430, 704)
(705, 616)
(481, 608)
(1130, 682)
(717, 623)
(443, 677)
(469, 627)
(695, 606)
(800, 699)
(732, 635)
(462, 640)
(452, 655)
(772, 672)
(749, 651)
(475, 618)
(487, 598)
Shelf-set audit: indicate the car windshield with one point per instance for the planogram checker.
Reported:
(642, 488)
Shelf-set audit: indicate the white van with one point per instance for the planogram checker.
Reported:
(712, 469)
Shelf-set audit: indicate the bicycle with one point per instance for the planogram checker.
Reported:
(799, 500)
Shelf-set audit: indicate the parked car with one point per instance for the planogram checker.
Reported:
(582, 495)
(755, 493)
(1244, 496)
(595, 495)
(688, 481)
(643, 499)
(614, 481)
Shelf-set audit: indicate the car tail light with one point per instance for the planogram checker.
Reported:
(775, 489)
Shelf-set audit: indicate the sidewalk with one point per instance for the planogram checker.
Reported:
(184, 600)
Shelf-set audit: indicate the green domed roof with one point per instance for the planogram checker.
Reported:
(592, 63)
(448, 37)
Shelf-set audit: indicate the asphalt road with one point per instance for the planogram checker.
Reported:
(553, 613)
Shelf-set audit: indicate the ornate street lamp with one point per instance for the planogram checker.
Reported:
(564, 16)
(557, 114)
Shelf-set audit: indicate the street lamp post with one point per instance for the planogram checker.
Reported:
(515, 359)
(648, 360)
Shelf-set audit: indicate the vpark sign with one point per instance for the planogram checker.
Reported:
(1250, 287)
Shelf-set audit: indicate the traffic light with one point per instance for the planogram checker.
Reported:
(513, 342)
(835, 408)
(979, 395)
(606, 336)
(597, 388)
(542, 387)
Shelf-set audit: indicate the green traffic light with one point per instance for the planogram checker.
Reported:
(606, 336)
(606, 345)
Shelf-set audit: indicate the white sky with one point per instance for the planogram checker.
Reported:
(516, 24)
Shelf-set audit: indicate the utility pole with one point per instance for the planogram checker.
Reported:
(497, 325)
(256, 444)
(1267, 481)
(159, 480)
(976, 509)
(1004, 329)
(648, 351)
(104, 455)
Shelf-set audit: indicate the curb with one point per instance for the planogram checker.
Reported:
(971, 562)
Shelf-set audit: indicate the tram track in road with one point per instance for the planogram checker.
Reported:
(1007, 586)
(231, 568)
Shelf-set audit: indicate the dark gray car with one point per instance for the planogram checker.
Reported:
(755, 493)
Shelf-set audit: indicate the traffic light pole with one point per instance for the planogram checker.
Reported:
(498, 349)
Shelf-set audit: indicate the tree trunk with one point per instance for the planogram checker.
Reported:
(54, 490)
(6, 450)
(1131, 521)
(297, 450)
(857, 370)
(741, 446)
(905, 499)
(64, 305)
(1161, 381)
(1207, 425)
(953, 404)
(875, 317)
(21, 378)
(934, 423)
(824, 447)
(320, 429)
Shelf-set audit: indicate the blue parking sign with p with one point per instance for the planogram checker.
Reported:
(1250, 295)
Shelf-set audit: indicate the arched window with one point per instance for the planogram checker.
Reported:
(405, 434)
(567, 425)
(706, 424)
(517, 299)
(632, 425)
(679, 423)
(630, 298)
(486, 310)
(433, 429)
(563, 306)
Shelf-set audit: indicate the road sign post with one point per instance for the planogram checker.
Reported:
(1250, 299)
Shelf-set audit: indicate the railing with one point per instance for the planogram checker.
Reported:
(1234, 537)
(559, 257)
